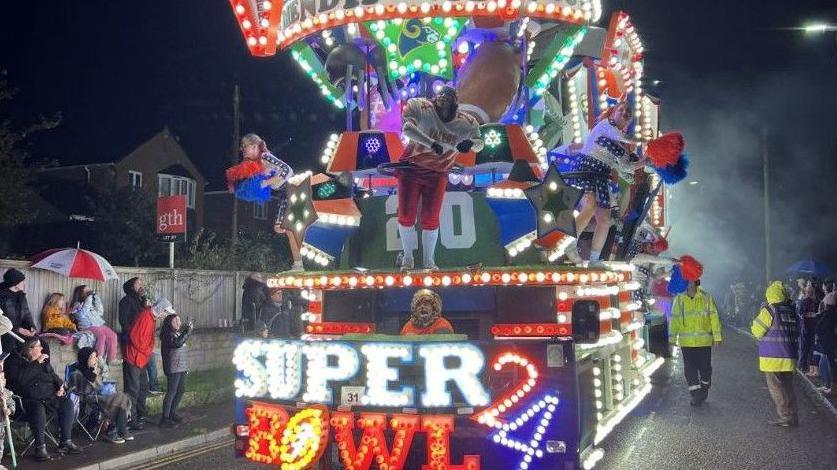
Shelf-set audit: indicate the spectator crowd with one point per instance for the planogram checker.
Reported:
(34, 393)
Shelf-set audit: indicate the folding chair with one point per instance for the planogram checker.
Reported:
(21, 431)
(89, 413)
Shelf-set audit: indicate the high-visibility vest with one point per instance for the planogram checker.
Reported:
(694, 320)
(777, 328)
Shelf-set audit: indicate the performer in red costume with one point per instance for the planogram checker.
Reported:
(438, 132)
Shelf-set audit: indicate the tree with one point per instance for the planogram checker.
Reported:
(16, 166)
(125, 221)
(260, 251)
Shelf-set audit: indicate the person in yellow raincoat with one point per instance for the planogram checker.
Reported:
(777, 330)
(695, 327)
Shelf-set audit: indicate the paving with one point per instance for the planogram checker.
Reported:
(202, 425)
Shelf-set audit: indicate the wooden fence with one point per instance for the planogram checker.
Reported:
(211, 298)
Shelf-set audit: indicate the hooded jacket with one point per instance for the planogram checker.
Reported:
(776, 329)
(253, 300)
(16, 309)
(130, 305)
(32, 380)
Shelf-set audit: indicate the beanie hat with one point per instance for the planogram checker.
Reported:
(162, 306)
(13, 277)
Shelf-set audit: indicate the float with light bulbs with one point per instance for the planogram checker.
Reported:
(548, 357)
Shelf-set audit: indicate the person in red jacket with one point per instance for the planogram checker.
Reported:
(138, 350)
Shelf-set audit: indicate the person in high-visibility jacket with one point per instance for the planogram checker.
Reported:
(777, 329)
(695, 327)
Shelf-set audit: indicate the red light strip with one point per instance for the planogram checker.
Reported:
(339, 328)
(448, 278)
(531, 330)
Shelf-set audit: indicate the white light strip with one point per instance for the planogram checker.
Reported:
(519, 245)
(316, 255)
(614, 337)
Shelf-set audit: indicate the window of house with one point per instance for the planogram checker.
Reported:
(170, 185)
(260, 210)
(135, 179)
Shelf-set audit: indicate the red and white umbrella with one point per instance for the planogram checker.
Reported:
(75, 262)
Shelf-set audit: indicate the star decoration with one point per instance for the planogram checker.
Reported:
(300, 212)
(492, 138)
(554, 202)
(417, 45)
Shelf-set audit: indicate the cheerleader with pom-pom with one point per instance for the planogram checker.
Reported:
(606, 148)
(255, 177)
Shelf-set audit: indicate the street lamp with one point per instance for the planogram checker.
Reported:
(817, 28)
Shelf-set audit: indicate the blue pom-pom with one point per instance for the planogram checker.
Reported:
(677, 284)
(673, 174)
(251, 189)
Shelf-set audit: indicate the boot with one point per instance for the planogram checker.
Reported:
(69, 447)
(813, 371)
(41, 454)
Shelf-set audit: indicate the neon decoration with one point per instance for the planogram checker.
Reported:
(438, 429)
(492, 138)
(346, 366)
(491, 415)
(339, 328)
(275, 368)
(379, 374)
(471, 362)
(313, 67)
(492, 277)
(530, 447)
(417, 45)
(561, 48)
(266, 425)
(531, 330)
(304, 438)
(373, 445)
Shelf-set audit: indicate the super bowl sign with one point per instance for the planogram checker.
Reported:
(372, 398)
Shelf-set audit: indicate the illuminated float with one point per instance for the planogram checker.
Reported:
(547, 358)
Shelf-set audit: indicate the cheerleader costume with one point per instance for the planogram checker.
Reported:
(603, 151)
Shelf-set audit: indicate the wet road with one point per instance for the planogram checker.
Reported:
(729, 432)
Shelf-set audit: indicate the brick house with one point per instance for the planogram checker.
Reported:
(252, 216)
(159, 166)
(62, 205)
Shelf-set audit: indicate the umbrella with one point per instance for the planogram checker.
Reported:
(809, 266)
(75, 262)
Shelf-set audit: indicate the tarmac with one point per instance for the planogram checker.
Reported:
(203, 425)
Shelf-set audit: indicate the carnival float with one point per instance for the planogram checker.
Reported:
(543, 353)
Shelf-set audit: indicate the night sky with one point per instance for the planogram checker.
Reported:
(121, 71)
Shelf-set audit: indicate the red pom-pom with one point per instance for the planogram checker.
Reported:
(665, 150)
(242, 171)
(691, 268)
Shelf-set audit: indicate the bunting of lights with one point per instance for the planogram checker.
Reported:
(555, 57)
(313, 67)
(619, 74)
(259, 23)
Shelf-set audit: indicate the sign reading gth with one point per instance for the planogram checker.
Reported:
(171, 218)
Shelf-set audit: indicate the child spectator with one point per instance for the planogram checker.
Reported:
(173, 336)
(54, 317)
(89, 313)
